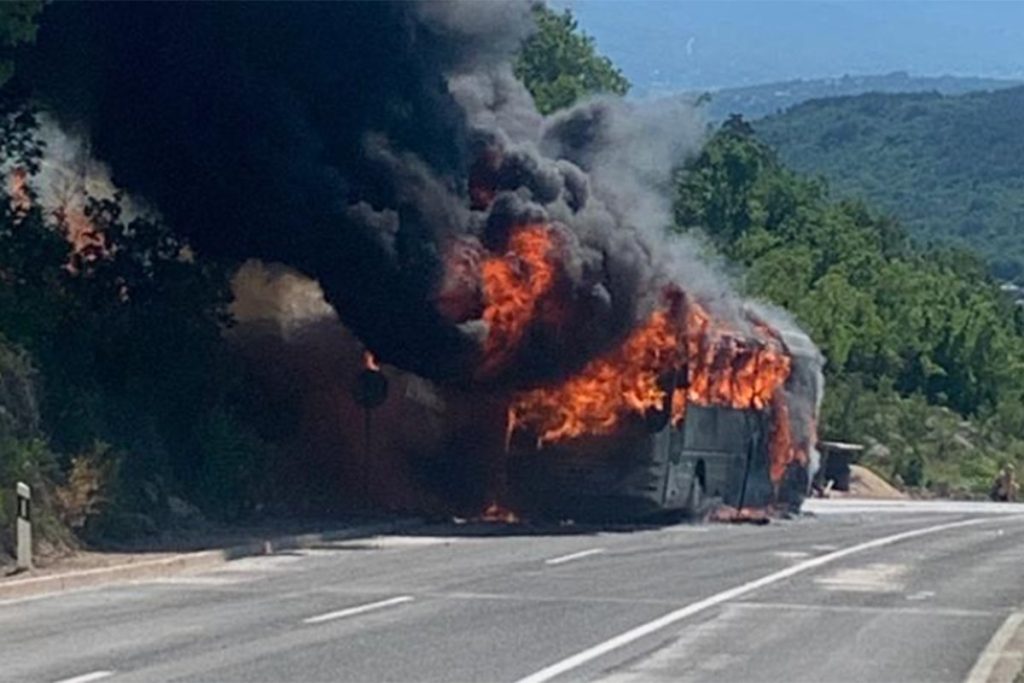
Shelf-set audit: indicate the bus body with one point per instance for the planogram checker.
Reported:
(715, 452)
(654, 468)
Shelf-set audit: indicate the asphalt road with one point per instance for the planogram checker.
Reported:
(852, 592)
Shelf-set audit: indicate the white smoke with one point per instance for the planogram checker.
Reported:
(277, 296)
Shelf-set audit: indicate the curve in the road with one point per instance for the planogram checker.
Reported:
(575, 661)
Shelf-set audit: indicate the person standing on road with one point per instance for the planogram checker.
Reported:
(1005, 488)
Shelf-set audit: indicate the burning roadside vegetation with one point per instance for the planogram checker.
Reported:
(403, 209)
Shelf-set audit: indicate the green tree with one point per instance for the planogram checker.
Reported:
(925, 353)
(125, 344)
(560, 65)
(17, 26)
(949, 167)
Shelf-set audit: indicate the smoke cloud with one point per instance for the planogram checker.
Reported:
(346, 140)
(364, 164)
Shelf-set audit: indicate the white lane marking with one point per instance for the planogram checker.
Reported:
(877, 577)
(921, 595)
(791, 554)
(86, 678)
(827, 506)
(993, 652)
(352, 611)
(574, 556)
(852, 609)
(623, 639)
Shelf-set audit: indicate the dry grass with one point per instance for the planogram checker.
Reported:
(84, 494)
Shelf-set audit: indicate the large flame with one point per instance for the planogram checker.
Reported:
(597, 399)
(729, 369)
(679, 355)
(679, 349)
(513, 286)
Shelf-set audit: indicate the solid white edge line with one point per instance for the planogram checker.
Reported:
(623, 639)
(993, 652)
(86, 678)
(574, 556)
(360, 609)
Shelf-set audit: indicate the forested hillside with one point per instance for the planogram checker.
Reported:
(925, 354)
(756, 101)
(950, 168)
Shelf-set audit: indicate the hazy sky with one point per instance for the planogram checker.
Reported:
(674, 44)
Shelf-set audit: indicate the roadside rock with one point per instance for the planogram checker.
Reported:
(866, 484)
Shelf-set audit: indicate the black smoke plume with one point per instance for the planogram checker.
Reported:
(344, 139)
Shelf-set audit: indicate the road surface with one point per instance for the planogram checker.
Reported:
(852, 592)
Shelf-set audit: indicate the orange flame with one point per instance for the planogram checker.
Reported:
(781, 440)
(678, 356)
(743, 515)
(495, 512)
(86, 242)
(513, 285)
(79, 230)
(609, 388)
(679, 347)
(17, 189)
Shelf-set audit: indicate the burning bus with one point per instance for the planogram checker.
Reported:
(460, 235)
(681, 416)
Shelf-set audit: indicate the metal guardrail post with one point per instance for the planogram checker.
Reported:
(24, 526)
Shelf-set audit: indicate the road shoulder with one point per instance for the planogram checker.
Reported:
(1002, 661)
(169, 564)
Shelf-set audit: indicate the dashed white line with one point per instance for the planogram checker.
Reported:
(87, 678)
(791, 554)
(921, 595)
(860, 609)
(360, 609)
(574, 556)
(623, 639)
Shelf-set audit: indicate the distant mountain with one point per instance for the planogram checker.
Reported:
(950, 167)
(756, 101)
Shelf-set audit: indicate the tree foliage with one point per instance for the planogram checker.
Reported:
(17, 26)
(113, 368)
(925, 353)
(951, 168)
(559, 63)
(923, 328)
